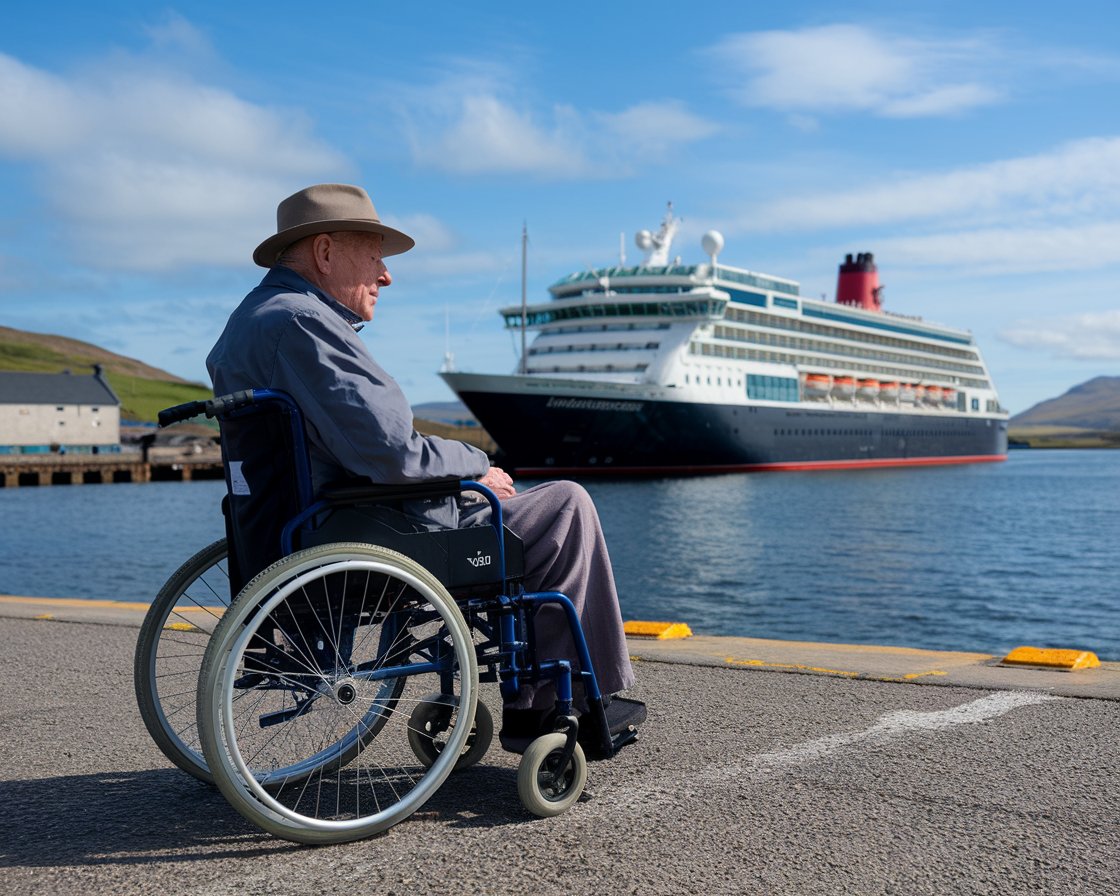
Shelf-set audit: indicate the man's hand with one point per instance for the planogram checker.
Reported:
(498, 481)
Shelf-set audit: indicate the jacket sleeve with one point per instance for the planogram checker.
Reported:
(357, 412)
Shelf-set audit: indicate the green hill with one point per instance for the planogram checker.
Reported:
(1086, 416)
(143, 390)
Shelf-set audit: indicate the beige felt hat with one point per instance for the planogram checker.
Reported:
(325, 208)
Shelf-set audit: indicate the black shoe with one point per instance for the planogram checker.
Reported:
(520, 727)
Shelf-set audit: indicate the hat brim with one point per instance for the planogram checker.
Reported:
(394, 242)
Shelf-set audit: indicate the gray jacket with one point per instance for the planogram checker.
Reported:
(289, 335)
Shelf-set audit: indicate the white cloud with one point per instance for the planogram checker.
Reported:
(654, 129)
(148, 169)
(474, 121)
(431, 234)
(1051, 211)
(1010, 249)
(488, 135)
(843, 68)
(1092, 336)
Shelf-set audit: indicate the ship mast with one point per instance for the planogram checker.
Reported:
(524, 307)
(657, 244)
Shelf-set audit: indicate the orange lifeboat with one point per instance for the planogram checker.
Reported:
(817, 385)
(949, 397)
(933, 394)
(906, 393)
(844, 386)
(919, 392)
(868, 389)
(889, 391)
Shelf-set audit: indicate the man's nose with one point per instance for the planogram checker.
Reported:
(386, 278)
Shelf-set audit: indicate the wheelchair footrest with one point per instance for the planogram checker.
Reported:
(610, 726)
(602, 732)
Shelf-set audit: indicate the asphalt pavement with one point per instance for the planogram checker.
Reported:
(764, 767)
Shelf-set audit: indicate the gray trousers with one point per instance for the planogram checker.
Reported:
(565, 551)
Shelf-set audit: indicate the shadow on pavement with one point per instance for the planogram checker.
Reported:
(122, 818)
(164, 815)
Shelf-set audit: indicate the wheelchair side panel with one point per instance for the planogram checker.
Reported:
(459, 558)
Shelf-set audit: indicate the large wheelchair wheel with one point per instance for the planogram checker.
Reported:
(169, 653)
(309, 684)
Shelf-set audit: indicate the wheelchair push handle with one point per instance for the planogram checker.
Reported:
(211, 408)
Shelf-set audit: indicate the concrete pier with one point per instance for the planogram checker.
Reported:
(765, 767)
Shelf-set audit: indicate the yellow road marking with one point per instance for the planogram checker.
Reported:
(732, 661)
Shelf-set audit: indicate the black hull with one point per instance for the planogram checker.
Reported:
(543, 435)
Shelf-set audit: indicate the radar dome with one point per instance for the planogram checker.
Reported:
(712, 241)
(644, 239)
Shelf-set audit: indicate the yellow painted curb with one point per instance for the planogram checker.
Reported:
(182, 627)
(72, 602)
(662, 631)
(1052, 658)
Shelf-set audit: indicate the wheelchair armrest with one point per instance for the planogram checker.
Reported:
(364, 492)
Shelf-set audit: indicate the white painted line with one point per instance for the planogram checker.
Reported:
(768, 766)
(894, 724)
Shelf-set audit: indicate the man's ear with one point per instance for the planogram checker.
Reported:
(322, 249)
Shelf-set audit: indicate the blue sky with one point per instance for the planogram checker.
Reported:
(973, 147)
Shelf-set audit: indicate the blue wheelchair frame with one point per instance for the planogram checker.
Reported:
(508, 652)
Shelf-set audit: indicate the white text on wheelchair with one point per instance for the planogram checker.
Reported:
(480, 560)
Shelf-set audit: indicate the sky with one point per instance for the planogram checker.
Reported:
(974, 148)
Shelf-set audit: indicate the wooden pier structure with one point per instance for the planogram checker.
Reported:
(158, 465)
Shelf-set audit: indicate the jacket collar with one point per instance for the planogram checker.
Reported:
(288, 280)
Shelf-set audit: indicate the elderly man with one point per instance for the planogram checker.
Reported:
(297, 332)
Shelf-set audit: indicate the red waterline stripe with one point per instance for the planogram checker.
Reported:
(800, 466)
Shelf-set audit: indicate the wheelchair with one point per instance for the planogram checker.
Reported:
(321, 666)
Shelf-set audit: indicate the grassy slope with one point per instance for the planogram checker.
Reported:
(142, 389)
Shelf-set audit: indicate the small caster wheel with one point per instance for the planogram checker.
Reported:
(545, 788)
(431, 719)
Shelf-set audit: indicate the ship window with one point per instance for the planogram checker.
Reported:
(976, 404)
(771, 388)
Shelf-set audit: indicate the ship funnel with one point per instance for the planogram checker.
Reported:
(858, 283)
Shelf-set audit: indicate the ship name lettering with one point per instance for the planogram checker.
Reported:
(594, 404)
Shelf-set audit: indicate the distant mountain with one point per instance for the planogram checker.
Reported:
(1093, 406)
(454, 413)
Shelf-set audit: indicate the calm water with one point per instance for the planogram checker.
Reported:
(981, 558)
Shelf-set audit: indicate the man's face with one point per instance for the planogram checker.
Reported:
(356, 271)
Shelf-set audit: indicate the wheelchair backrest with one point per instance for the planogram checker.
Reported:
(268, 479)
(270, 506)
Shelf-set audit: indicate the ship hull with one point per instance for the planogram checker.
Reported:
(553, 428)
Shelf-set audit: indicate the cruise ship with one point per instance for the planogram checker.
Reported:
(671, 368)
